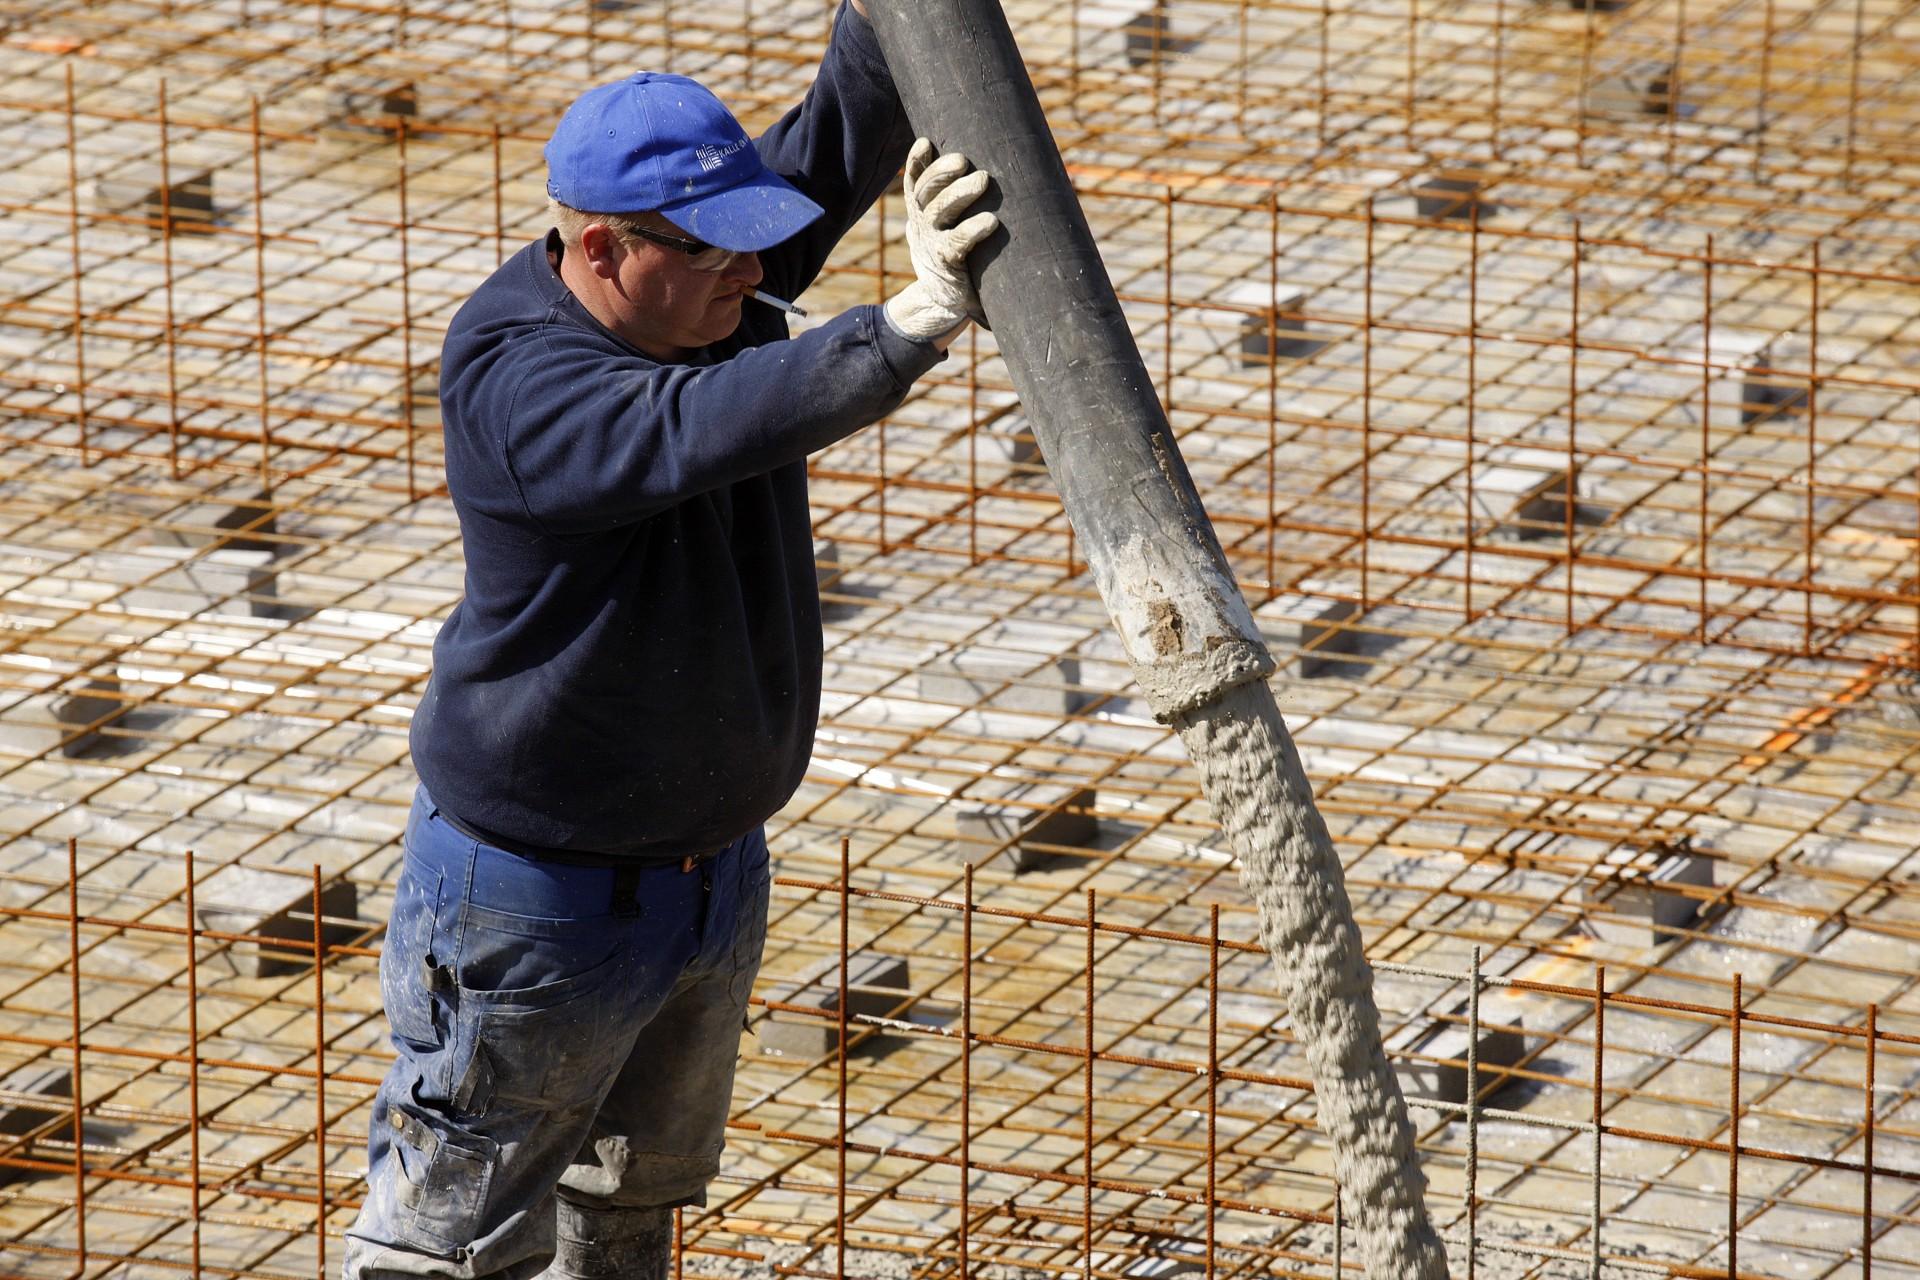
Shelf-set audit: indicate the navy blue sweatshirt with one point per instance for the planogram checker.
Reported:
(635, 668)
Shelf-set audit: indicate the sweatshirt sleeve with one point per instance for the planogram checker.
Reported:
(843, 146)
(593, 439)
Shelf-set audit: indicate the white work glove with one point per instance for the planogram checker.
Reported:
(938, 192)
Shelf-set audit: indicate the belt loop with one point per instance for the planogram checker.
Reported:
(626, 891)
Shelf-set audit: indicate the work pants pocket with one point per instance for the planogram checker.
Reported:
(444, 1173)
(537, 1042)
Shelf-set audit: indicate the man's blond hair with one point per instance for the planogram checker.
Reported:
(571, 222)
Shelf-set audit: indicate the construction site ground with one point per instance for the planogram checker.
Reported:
(1551, 376)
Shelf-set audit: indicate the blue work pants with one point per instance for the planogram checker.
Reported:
(561, 1029)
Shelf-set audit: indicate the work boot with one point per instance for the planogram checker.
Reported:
(610, 1244)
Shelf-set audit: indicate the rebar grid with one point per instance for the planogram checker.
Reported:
(1120, 1075)
(1605, 453)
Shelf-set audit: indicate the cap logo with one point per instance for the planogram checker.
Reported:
(712, 157)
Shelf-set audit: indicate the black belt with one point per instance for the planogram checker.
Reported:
(575, 857)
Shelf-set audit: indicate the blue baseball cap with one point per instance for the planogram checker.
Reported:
(664, 143)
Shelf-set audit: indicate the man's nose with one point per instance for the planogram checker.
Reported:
(745, 269)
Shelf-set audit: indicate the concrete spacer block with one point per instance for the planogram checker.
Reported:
(877, 986)
(1136, 31)
(1007, 441)
(1150, 37)
(1642, 906)
(1027, 815)
(1541, 511)
(372, 105)
(1452, 193)
(1325, 637)
(826, 562)
(1501, 1045)
(1642, 89)
(1169, 1259)
(268, 905)
(39, 1080)
(237, 582)
(205, 523)
(423, 394)
(101, 697)
(1766, 394)
(1291, 339)
(183, 203)
(978, 679)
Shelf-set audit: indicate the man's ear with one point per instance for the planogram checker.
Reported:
(601, 248)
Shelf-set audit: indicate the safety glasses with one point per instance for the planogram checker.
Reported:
(702, 256)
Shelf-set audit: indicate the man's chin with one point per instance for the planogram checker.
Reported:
(721, 320)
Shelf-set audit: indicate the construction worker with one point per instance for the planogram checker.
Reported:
(630, 687)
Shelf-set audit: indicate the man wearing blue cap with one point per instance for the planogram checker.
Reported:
(629, 688)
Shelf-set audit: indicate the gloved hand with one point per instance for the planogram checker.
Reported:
(942, 297)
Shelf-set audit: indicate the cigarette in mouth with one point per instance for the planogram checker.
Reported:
(779, 304)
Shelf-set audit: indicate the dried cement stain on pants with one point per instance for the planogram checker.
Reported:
(1253, 778)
